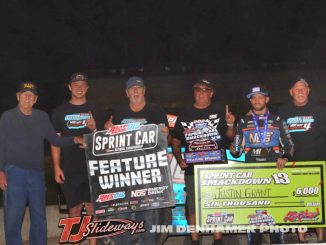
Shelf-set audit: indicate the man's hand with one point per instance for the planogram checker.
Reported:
(59, 175)
(3, 181)
(108, 124)
(80, 140)
(229, 117)
(280, 163)
(176, 147)
(249, 113)
(183, 164)
(232, 149)
(91, 124)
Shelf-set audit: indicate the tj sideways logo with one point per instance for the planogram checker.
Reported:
(77, 229)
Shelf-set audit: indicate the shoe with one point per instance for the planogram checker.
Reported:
(303, 241)
(320, 242)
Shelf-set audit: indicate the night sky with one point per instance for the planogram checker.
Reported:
(46, 41)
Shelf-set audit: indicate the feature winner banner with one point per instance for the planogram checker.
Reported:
(128, 169)
(258, 194)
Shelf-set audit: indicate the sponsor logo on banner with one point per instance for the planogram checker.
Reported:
(294, 216)
(121, 138)
(100, 211)
(220, 218)
(118, 129)
(119, 204)
(111, 196)
(144, 205)
(261, 217)
(122, 208)
(139, 193)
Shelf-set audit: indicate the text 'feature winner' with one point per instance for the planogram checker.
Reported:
(128, 169)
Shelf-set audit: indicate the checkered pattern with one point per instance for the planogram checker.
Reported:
(210, 123)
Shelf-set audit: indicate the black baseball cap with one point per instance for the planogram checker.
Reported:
(204, 83)
(27, 86)
(257, 90)
(79, 76)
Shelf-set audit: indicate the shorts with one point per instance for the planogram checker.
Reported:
(76, 189)
(190, 190)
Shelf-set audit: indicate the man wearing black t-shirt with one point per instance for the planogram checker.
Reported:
(306, 121)
(76, 117)
(140, 111)
(201, 128)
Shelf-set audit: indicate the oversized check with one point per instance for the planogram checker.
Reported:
(259, 194)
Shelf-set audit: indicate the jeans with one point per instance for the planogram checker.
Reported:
(24, 187)
(256, 238)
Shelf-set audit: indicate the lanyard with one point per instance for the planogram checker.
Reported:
(261, 135)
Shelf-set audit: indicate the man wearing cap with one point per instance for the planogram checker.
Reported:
(75, 117)
(306, 121)
(260, 136)
(22, 133)
(201, 127)
(138, 110)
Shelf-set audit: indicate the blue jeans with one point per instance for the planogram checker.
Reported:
(24, 187)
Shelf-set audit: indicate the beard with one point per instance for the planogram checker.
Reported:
(259, 107)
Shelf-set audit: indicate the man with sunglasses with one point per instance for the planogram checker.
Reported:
(202, 127)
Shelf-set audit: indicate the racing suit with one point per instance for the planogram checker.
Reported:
(277, 143)
(263, 138)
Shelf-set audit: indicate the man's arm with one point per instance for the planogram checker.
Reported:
(56, 157)
(54, 139)
(3, 179)
(176, 148)
(287, 145)
(237, 146)
(230, 119)
(108, 124)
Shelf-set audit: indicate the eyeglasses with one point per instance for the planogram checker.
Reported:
(204, 90)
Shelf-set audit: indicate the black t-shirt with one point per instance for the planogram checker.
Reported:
(150, 114)
(195, 125)
(307, 126)
(69, 119)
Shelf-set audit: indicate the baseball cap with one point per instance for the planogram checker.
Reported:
(27, 86)
(257, 90)
(135, 81)
(78, 77)
(204, 83)
(302, 80)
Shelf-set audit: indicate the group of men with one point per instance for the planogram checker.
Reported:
(23, 130)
